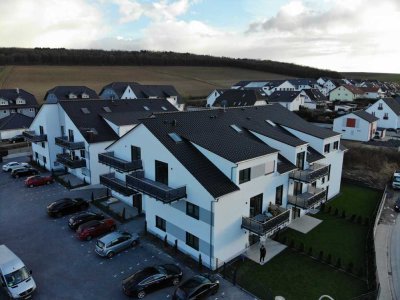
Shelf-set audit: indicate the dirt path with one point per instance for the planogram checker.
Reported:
(5, 74)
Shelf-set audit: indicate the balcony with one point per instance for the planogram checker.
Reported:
(109, 159)
(314, 172)
(31, 136)
(67, 161)
(64, 142)
(307, 199)
(263, 225)
(157, 190)
(116, 184)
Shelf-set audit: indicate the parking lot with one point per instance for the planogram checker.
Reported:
(64, 267)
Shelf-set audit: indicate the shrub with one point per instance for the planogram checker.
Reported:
(343, 214)
(352, 218)
(301, 247)
(336, 212)
(283, 239)
(322, 207)
(359, 219)
(291, 244)
(329, 259)
(360, 272)
(338, 263)
(329, 209)
(310, 252)
(366, 221)
(350, 267)
(321, 255)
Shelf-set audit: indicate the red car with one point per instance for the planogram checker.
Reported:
(95, 228)
(38, 180)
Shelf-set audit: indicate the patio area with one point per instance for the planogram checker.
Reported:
(273, 248)
(304, 224)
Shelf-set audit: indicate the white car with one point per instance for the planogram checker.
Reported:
(14, 165)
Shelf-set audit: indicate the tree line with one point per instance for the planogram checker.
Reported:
(83, 57)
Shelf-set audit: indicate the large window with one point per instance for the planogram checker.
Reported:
(244, 175)
(161, 172)
(82, 153)
(329, 172)
(136, 153)
(336, 145)
(386, 116)
(192, 210)
(192, 241)
(350, 122)
(278, 195)
(160, 223)
(327, 148)
(300, 160)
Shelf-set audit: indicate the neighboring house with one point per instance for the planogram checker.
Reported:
(213, 182)
(346, 92)
(387, 110)
(69, 93)
(214, 95)
(314, 99)
(344, 107)
(17, 101)
(134, 90)
(328, 86)
(70, 134)
(303, 84)
(356, 126)
(13, 125)
(291, 100)
(238, 97)
(321, 81)
(372, 92)
(268, 86)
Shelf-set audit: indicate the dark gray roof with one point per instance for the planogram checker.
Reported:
(118, 87)
(127, 117)
(62, 92)
(11, 96)
(393, 104)
(302, 81)
(236, 97)
(15, 121)
(159, 91)
(120, 108)
(284, 165)
(283, 96)
(315, 95)
(313, 155)
(366, 116)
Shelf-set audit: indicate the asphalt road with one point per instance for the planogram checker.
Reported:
(395, 258)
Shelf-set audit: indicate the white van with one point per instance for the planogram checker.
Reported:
(15, 276)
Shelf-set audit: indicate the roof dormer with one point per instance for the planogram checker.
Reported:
(72, 96)
(20, 101)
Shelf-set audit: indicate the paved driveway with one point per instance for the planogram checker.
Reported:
(64, 267)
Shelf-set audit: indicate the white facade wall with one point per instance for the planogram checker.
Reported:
(341, 94)
(363, 130)
(393, 120)
(7, 134)
(128, 94)
(212, 97)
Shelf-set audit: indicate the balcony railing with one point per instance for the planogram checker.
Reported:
(109, 159)
(33, 137)
(63, 142)
(314, 172)
(308, 199)
(157, 190)
(116, 184)
(67, 161)
(262, 225)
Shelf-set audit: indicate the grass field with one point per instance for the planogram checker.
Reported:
(189, 81)
(378, 76)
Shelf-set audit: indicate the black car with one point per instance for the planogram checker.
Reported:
(151, 279)
(397, 205)
(197, 287)
(24, 172)
(82, 217)
(17, 139)
(66, 206)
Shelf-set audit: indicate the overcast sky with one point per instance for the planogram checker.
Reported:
(342, 35)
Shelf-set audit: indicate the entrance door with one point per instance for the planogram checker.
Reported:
(256, 205)
(162, 172)
(137, 202)
(295, 213)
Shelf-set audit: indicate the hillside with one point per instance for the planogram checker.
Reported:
(379, 76)
(191, 82)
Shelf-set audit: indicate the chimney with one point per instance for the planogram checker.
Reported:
(17, 90)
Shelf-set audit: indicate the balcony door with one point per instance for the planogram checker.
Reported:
(298, 188)
(70, 135)
(300, 160)
(137, 202)
(135, 153)
(256, 205)
(161, 172)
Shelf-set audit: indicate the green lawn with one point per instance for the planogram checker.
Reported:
(295, 276)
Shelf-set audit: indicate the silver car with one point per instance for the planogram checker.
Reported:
(115, 242)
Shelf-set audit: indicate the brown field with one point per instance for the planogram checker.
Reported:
(191, 82)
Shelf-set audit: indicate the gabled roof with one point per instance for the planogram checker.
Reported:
(315, 95)
(283, 96)
(313, 155)
(63, 92)
(284, 165)
(355, 90)
(118, 87)
(11, 95)
(15, 121)
(365, 116)
(302, 81)
(393, 104)
(234, 97)
(159, 91)
(89, 115)
(370, 89)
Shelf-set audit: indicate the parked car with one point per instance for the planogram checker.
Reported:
(151, 279)
(17, 139)
(197, 287)
(27, 171)
(66, 206)
(38, 180)
(14, 165)
(95, 228)
(115, 242)
(397, 205)
(82, 217)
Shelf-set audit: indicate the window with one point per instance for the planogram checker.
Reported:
(329, 172)
(44, 159)
(160, 223)
(36, 156)
(336, 145)
(192, 241)
(161, 170)
(175, 137)
(380, 107)
(278, 195)
(83, 153)
(42, 144)
(163, 108)
(136, 153)
(244, 175)
(236, 128)
(351, 122)
(300, 160)
(192, 210)
(327, 148)
(373, 113)
(146, 107)
(323, 180)
(386, 116)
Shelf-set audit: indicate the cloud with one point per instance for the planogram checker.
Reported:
(49, 23)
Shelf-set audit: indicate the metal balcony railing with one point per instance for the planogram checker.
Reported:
(314, 172)
(31, 136)
(308, 199)
(263, 225)
(116, 184)
(157, 190)
(64, 142)
(67, 161)
(109, 159)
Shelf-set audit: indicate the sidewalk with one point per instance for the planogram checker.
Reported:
(383, 263)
